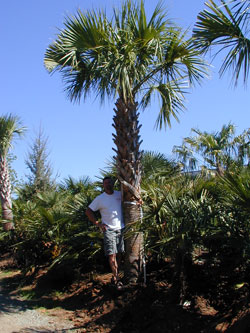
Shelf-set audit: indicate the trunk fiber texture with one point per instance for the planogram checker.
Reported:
(128, 163)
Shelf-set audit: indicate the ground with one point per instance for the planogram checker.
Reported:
(91, 304)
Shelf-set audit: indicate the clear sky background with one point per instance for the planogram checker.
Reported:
(79, 136)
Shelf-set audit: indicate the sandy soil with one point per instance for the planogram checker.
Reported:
(91, 304)
(17, 315)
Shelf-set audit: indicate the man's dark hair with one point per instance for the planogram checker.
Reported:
(107, 177)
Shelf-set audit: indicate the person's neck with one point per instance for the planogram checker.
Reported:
(109, 192)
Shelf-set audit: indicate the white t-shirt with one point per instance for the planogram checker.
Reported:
(110, 208)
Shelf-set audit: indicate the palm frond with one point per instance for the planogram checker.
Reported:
(237, 186)
(10, 126)
(172, 102)
(126, 56)
(227, 28)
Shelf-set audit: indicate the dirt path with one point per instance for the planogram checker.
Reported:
(90, 304)
(17, 315)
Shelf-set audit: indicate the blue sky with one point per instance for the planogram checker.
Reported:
(80, 141)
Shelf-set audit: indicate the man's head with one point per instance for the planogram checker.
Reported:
(108, 185)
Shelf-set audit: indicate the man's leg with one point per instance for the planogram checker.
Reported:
(109, 249)
(120, 247)
(113, 266)
(112, 245)
(119, 257)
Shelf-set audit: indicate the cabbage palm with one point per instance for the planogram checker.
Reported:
(9, 128)
(226, 25)
(185, 153)
(217, 148)
(130, 58)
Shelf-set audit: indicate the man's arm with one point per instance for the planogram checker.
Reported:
(91, 216)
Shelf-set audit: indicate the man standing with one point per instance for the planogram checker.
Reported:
(109, 205)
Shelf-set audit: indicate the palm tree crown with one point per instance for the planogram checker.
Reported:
(9, 127)
(219, 150)
(126, 56)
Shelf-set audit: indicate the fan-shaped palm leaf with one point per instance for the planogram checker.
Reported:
(226, 25)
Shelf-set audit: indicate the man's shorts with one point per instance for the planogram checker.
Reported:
(113, 241)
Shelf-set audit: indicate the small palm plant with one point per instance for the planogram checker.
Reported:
(52, 229)
(237, 186)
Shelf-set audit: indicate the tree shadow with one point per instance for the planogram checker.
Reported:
(95, 304)
(9, 302)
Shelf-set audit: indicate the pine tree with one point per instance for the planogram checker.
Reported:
(40, 177)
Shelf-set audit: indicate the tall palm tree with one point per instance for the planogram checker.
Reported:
(242, 144)
(219, 150)
(186, 154)
(213, 146)
(226, 25)
(128, 57)
(9, 128)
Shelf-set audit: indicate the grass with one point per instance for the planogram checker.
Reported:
(8, 273)
(27, 294)
(57, 294)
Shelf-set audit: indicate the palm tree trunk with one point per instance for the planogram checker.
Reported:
(128, 162)
(219, 169)
(5, 195)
